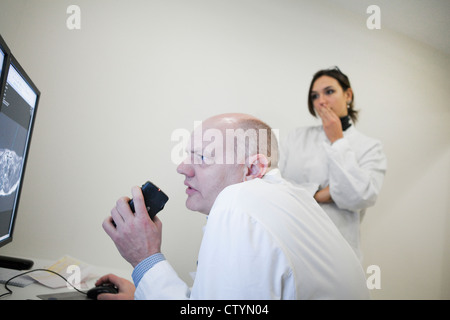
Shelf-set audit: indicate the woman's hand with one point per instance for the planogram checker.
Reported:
(323, 195)
(331, 123)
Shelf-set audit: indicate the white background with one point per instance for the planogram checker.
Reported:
(115, 90)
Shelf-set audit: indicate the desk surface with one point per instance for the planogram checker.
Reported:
(32, 291)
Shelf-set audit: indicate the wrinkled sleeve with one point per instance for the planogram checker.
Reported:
(161, 282)
(355, 183)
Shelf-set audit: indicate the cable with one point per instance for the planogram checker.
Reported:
(26, 272)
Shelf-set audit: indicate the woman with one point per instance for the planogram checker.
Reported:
(345, 167)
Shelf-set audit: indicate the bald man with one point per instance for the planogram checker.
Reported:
(264, 238)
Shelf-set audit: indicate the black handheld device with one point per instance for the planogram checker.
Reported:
(155, 199)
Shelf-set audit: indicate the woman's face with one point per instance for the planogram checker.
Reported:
(326, 91)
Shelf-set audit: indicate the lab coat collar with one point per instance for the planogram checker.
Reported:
(273, 175)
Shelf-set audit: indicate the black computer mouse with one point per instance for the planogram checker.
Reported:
(103, 288)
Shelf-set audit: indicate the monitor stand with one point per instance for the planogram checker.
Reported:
(15, 263)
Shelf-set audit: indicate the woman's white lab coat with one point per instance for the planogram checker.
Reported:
(353, 167)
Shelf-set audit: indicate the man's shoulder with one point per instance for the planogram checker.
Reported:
(259, 195)
(236, 193)
(246, 190)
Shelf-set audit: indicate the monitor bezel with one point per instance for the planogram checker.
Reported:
(5, 67)
(3, 77)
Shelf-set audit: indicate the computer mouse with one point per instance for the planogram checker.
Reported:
(103, 288)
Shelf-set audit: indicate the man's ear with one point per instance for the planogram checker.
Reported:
(256, 167)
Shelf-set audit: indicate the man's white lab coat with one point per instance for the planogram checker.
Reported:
(265, 239)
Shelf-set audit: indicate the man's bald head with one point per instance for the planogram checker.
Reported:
(243, 134)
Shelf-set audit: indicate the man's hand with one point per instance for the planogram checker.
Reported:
(136, 236)
(125, 287)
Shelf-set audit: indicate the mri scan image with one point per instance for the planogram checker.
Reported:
(10, 164)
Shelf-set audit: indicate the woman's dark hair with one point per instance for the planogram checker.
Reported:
(344, 82)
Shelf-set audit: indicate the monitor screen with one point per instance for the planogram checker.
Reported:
(17, 113)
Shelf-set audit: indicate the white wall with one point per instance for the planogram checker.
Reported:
(115, 90)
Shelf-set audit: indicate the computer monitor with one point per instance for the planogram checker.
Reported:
(20, 99)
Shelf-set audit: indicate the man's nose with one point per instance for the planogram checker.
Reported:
(185, 168)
